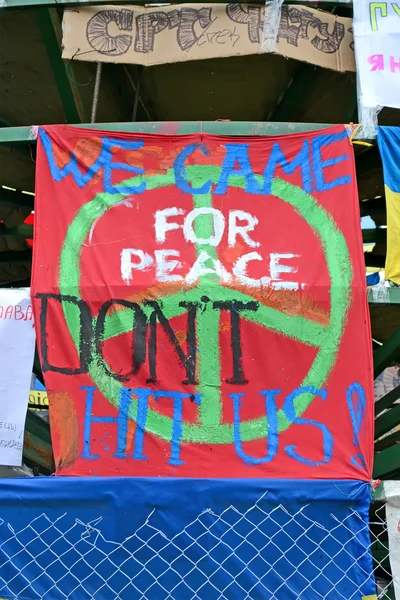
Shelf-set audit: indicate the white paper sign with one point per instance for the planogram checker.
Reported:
(376, 30)
(17, 348)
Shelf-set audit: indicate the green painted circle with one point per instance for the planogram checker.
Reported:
(327, 338)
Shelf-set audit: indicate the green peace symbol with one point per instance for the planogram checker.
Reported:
(210, 429)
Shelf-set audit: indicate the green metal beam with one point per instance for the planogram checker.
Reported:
(37, 443)
(374, 236)
(387, 295)
(387, 442)
(387, 463)
(50, 29)
(16, 199)
(22, 150)
(388, 421)
(387, 353)
(20, 135)
(19, 231)
(16, 258)
(373, 207)
(387, 400)
(379, 493)
(374, 260)
(17, 283)
(30, 3)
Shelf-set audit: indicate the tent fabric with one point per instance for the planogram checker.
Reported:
(389, 147)
(156, 538)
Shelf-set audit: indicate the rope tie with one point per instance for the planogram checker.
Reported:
(96, 92)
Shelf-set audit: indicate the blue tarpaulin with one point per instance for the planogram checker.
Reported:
(373, 278)
(131, 538)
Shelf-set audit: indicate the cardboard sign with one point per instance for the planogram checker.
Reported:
(199, 302)
(17, 347)
(151, 36)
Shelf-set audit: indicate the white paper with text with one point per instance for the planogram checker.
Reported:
(17, 348)
(376, 30)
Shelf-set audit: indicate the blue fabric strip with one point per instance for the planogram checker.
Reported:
(389, 148)
(129, 538)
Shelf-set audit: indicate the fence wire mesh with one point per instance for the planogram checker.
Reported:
(226, 555)
(385, 534)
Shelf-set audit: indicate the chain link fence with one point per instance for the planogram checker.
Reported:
(385, 534)
(249, 554)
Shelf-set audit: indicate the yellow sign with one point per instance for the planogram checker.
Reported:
(38, 400)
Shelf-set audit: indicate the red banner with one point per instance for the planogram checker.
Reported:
(200, 304)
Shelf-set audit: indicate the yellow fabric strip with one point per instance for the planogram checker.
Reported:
(392, 267)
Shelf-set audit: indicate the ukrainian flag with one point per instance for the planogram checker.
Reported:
(389, 147)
